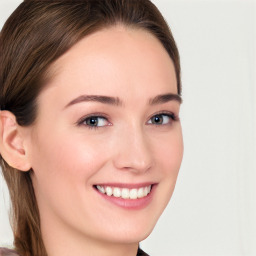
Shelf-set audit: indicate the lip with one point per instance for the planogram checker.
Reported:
(129, 204)
(124, 185)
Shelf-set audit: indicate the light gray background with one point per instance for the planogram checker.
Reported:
(213, 209)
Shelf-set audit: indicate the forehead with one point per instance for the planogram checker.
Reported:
(115, 60)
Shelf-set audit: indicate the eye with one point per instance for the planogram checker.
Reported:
(161, 119)
(95, 121)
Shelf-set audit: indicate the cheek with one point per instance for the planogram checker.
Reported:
(64, 164)
(63, 171)
(170, 153)
(66, 154)
(169, 156)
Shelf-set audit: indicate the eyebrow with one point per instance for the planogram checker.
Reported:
(164, 98)
(97, 98)
(159, 99)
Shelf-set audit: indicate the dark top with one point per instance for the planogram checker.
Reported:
(8, 252)
(139, 253)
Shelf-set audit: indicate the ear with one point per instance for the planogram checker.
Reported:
(12, 142)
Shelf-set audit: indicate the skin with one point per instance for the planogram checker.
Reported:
(69, 158)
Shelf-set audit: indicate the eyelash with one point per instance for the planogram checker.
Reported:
(170, 115)
(82, 121)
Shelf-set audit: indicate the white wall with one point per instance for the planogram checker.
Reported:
(213, 209)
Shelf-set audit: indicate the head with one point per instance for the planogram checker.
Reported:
(67, 67)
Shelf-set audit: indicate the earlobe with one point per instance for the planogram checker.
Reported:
(12, 142)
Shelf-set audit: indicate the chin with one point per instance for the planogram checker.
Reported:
(132, 231)
(130, 236)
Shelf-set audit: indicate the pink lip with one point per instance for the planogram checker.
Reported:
(131, 204)
(123, 185)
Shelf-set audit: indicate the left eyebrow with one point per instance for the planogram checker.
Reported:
(164, 98)
(96, 98)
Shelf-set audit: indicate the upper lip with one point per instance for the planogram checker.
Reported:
(126, 185)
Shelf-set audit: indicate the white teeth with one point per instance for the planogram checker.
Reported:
(125, 193)
(109, 191)
(101, 189)
(140, 193)
(117, 192)
(145, 191)
(133, 193)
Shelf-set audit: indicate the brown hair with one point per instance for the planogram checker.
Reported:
(34, 36)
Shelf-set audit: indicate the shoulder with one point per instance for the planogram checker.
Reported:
(7, 252)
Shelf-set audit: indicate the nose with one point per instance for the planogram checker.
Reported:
(133, 151)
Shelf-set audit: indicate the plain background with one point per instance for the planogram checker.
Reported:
(213, 208)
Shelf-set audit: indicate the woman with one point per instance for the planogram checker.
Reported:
(91, 142)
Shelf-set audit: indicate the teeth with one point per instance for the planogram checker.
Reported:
(140, 193)
(145, 191)
(109, 191)
(133, 193)
(117, 192)
(125, 193)
(101, 189)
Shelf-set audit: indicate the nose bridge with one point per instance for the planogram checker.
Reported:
(133, 149)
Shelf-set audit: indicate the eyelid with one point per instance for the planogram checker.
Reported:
(99, 115)
(171, 114)
(172, 117)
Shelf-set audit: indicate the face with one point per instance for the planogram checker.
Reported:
(107, 144)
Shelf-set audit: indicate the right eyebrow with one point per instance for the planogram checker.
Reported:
(97, 98)
(164, 98)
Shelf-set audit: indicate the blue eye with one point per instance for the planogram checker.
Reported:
(161, 119)
(95, 121)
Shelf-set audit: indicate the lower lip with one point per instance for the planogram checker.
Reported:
(132, 204)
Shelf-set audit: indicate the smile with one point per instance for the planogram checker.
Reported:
(125, 193)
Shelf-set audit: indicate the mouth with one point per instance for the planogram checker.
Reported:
(124, 192)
